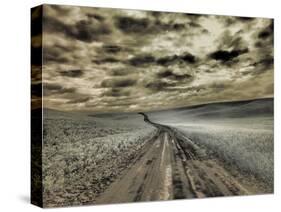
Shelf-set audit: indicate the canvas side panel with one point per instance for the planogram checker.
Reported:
(36, 106)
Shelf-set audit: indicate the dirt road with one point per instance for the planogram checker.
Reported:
(171, 166)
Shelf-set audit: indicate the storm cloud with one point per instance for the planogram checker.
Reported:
(145, 25)
(116, 92)
(72, 73)
(119, 82)
(106, 60)
(174, 76)
(225, 56)
(142, 60)
(86, 30)
(266, 32)
(148, 59)
(185, 57)
(52, 89)
(159, 85)
(79, 100)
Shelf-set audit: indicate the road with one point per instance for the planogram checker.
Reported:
(171, 166)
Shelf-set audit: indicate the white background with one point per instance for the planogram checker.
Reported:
(15, 89)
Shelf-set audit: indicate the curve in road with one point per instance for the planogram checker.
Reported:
(171, 166)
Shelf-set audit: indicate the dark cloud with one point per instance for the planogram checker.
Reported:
(154, 14)
(263, 65)
(267, 31)
(112, 48)
(84, 30)
(194, 24)
(132, 25)
(258, 44)
(189, 21)
(264, 34)
(174, 26)
(190, 17)
(188, 58)
(245, 19)
(226, 21)
(53, 88)
(141, 56)
(116, 92)
(145, 25)
(264, 49)
(142, 60)
(148, 59)
(168, 60)
(96, 16)
(229, 21)
(159, 85)
(88, 31)
(268, 62)
(166, 73)
(225, 56)
(205, 31)
(120, 72)
(72, 73)
(118, 82)
(78, 100)
(106, 60)
(193, 16)
(54, 54)
(173, 76)
(51, 24)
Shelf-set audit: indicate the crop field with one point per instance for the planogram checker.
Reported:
(248, 150)
(220, 149)
(240, 136)
(83, 154)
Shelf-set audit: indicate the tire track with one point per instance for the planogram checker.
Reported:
(171, 166)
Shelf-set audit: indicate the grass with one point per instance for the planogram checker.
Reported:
(245, 147)
(83, 155)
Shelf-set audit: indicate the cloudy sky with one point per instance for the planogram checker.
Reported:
(106, 60)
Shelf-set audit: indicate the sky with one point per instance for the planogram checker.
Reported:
(113, 60)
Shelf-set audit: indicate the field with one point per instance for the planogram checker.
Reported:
(239, 135)
(83, 154)
(251, 152)
(219, 149)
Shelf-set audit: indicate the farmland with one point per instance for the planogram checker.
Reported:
(239, 136)
(83, 154)
(219, 149)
